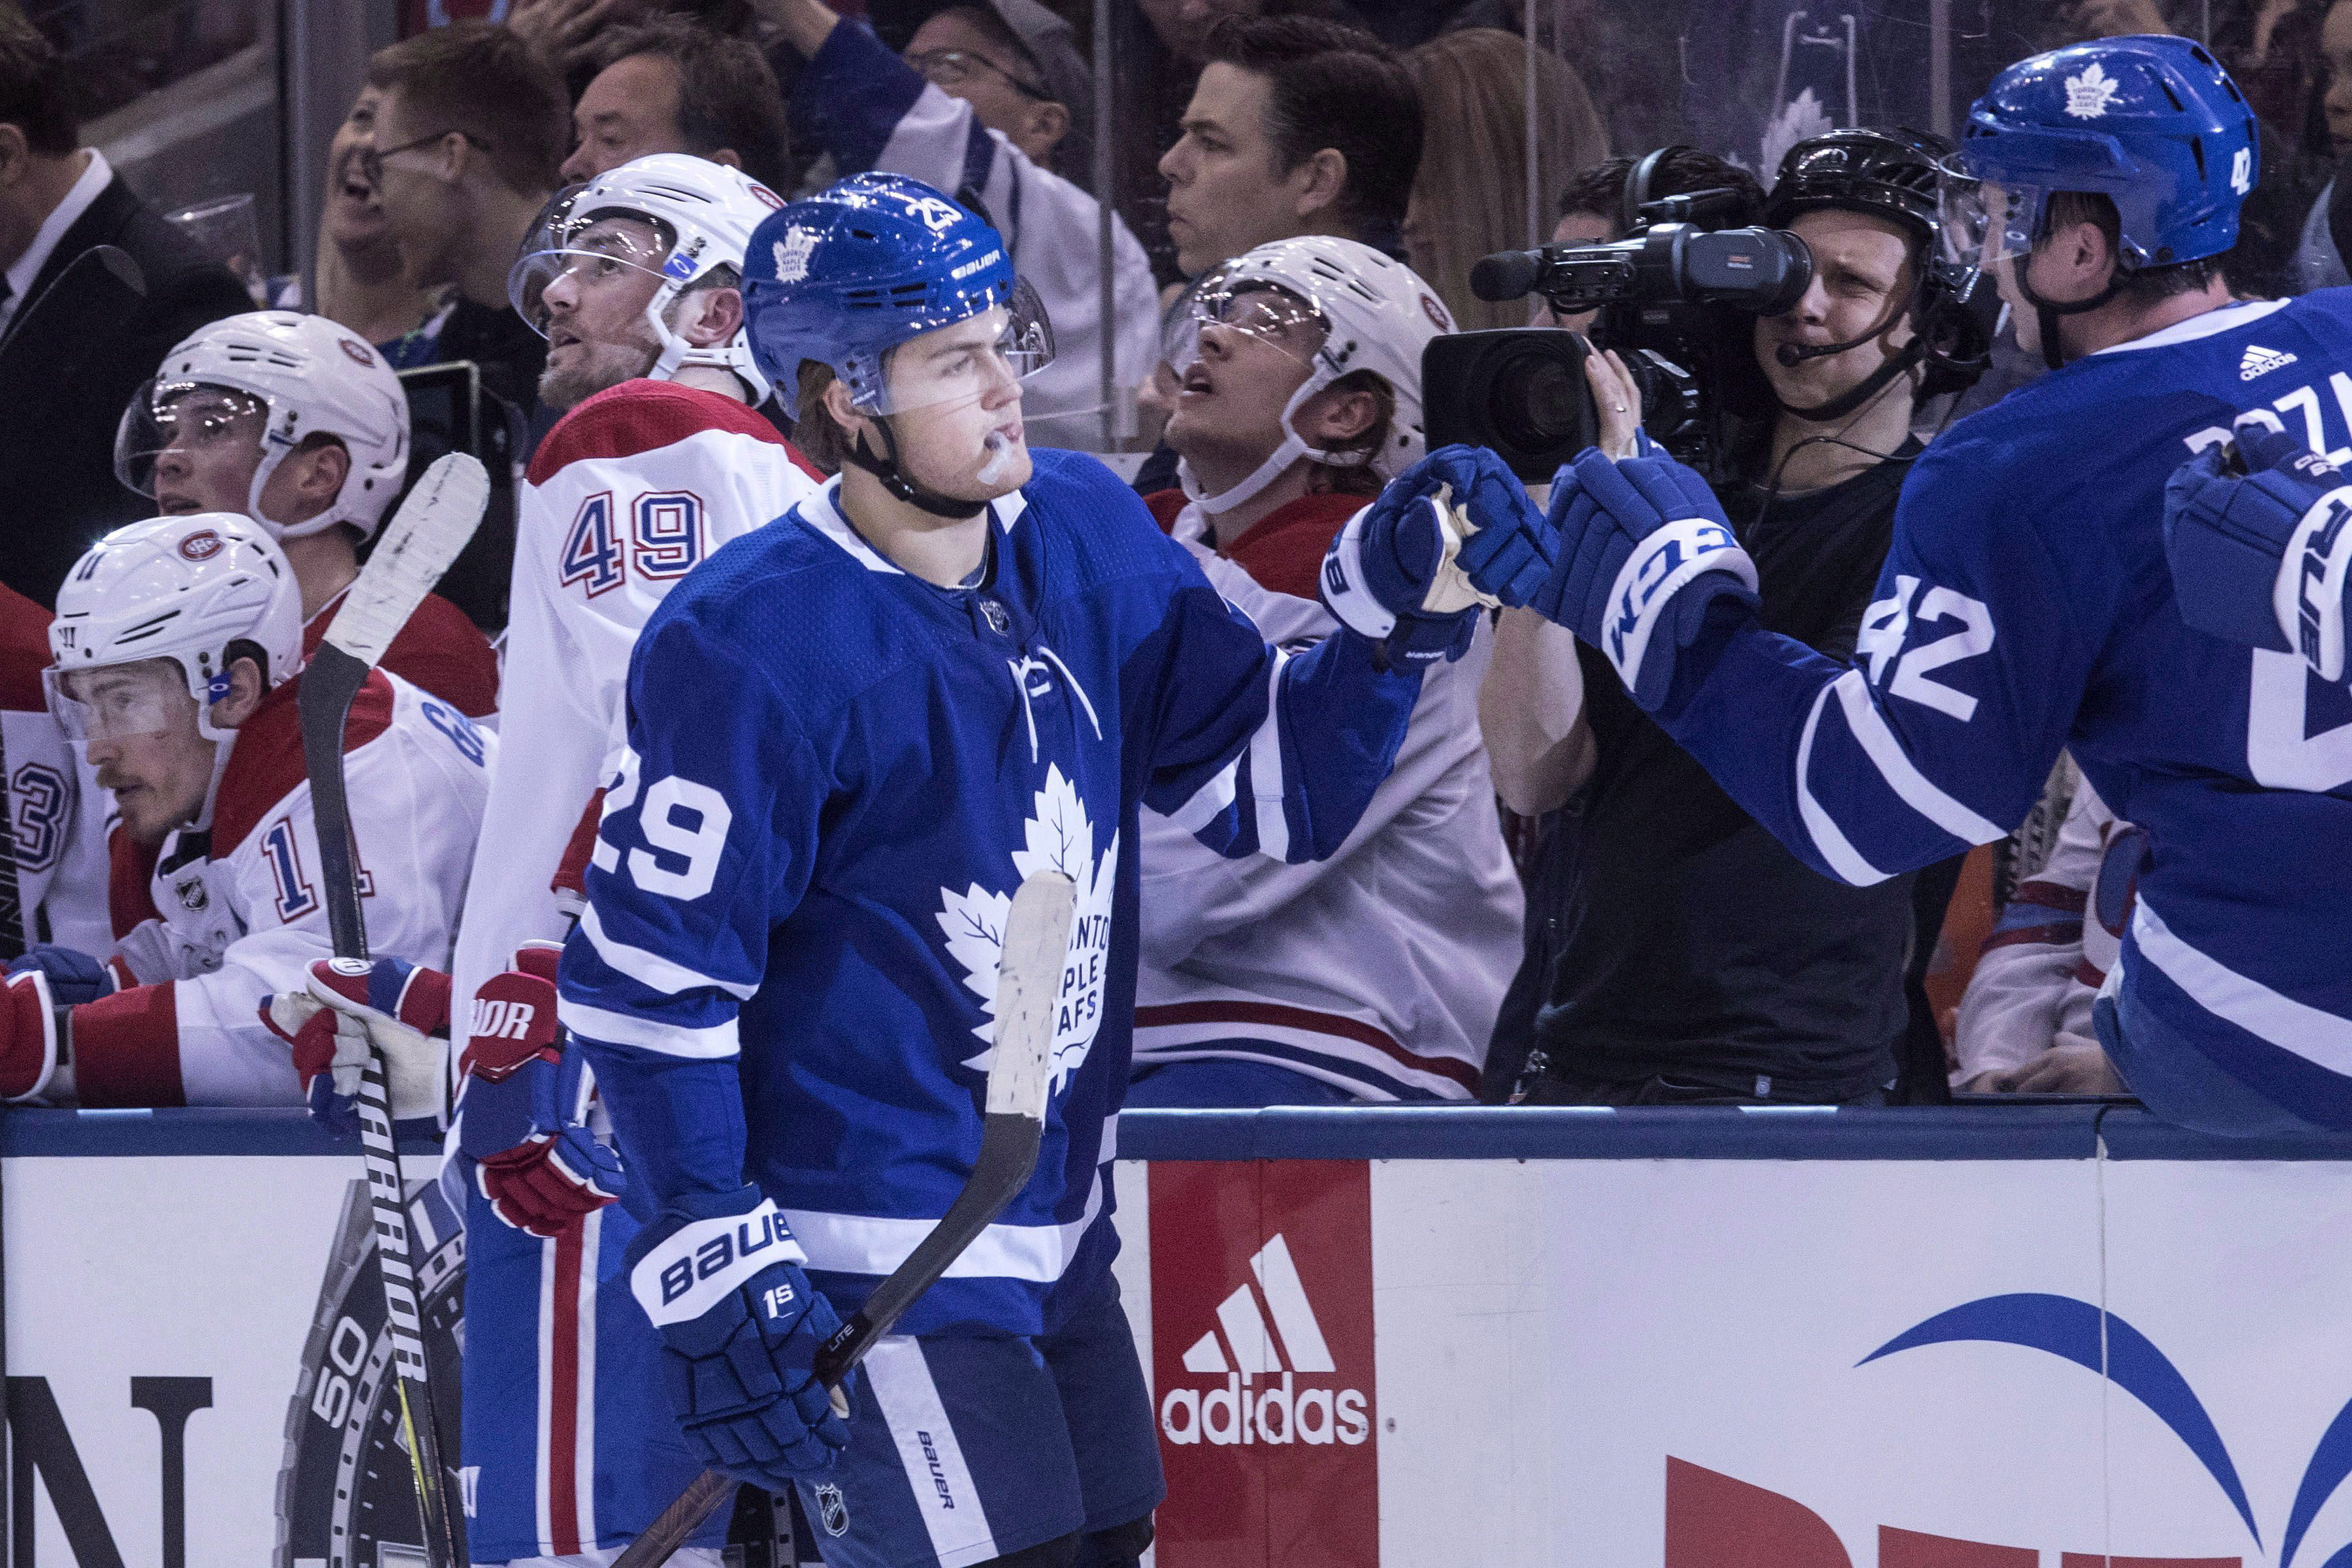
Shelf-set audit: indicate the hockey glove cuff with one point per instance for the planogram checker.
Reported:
(522, 1117)
(2262, 558)
(29, 1040)
(1645, 553)
(719, 1274)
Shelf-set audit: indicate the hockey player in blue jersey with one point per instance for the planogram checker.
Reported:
(851, 734)
(2026, 602)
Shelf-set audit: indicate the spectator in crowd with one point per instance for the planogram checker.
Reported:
(363, 280)
(1298, 126)
(880, 112)
(2318, 262)
(179, 650)
(2025, 1019)
(1018, 65)
(467, 139)
(1685, 955)
(1470, 196)
(293, 422)
(1373, 975)
(669, 85)
(68, 361)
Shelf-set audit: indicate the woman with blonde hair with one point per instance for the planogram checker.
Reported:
(1470, 196)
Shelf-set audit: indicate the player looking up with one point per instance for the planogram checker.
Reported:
(851, 735)
(635, 279)
(1374, 974)
(177, 648)
(2026, 604)
(293, 421)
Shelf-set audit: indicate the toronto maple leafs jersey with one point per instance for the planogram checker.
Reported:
(2026, 604)
(837, 774)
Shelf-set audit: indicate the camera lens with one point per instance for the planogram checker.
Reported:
(1539, 401)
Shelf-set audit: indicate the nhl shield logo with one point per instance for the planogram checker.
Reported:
(831, 1510)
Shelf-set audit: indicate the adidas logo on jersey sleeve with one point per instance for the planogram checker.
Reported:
(2258, 361)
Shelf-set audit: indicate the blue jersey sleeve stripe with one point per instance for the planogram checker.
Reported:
(1267, 782)
(2316, 1036)
(650, 969)
(1836, 853)
(708, 1043)
(1209, 802)
(1902, 774)
(865, 1244)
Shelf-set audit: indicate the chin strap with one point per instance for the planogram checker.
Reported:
(895, 481)
(2046, 312)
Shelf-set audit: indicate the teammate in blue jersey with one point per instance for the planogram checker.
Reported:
(2026, 604)
(851, 734)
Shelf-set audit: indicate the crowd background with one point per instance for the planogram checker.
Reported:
(1101, 137)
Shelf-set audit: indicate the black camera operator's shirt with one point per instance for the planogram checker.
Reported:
(1685, 954)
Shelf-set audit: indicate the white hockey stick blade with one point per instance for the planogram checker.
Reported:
(1029, 993)
(424, 536)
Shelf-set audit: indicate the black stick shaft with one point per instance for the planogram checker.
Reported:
(329, 682)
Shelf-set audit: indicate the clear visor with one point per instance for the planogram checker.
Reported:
(120, 701)
(595, 252)
(192, 415)
(1005, 344)
(1982, 221)
(1259, 314)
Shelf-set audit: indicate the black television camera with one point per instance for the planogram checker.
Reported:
(1677, 297)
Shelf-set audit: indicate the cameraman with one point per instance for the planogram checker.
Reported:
(1677, 954)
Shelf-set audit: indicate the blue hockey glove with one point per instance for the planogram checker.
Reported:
(2261, 558)
(520, 1119)
(1451, 533)
(1644, 550)
(719, 1274)
(74, 977)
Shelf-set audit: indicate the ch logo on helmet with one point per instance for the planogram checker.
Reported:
(1435, 312)
(2088, 95)
(202, 545)
(792, 255)
(764, 197)
(358, 351)
(831, 1510)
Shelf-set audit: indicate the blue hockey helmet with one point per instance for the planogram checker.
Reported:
(863, 266)
(2152, 122)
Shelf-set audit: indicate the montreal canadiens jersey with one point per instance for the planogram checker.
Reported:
(2027, 604)
(1380, 969)
(627, 493)
(837, 773)
(56, 818)
(243, 911)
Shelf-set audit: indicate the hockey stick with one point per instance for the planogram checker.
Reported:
(432, 526)
(1028, 984)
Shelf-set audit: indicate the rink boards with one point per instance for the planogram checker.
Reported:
(1696, 1338)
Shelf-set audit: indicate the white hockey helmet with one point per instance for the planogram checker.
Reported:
(1376, 314)
(181, 588)
(310, 376)
(702, 214)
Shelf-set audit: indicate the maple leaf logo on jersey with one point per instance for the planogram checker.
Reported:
(1059, 837)
(2088, 95)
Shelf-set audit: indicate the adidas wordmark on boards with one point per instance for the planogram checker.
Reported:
(1276, 1413)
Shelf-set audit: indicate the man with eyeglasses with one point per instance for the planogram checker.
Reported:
(988, 103)
(467, 137)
